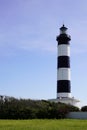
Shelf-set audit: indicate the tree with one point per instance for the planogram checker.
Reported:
(84, 108)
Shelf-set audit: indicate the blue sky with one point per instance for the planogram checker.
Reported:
(28, 47)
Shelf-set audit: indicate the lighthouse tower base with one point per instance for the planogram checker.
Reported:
(67, 100)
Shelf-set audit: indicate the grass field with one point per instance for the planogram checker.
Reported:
(43, 124)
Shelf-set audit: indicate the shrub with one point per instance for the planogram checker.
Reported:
(31, 109)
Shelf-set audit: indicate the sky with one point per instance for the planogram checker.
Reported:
(28, 47)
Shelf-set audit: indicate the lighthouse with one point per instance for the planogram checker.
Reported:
(63, 69)
(63, 64)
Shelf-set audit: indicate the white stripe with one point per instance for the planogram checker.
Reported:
(60, 95)
(63, 50)
(63, 74)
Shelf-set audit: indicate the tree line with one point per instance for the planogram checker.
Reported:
(13, 108)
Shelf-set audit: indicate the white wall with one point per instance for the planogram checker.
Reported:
(63, 74)
(63, 50)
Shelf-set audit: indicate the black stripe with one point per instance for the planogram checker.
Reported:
(63, 42)
(63, 39)
(63, 61)
(63, 86)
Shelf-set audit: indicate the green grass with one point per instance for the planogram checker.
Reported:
(65, 124)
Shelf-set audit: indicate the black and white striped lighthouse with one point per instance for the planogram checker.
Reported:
(63, 69)
(63, 64)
